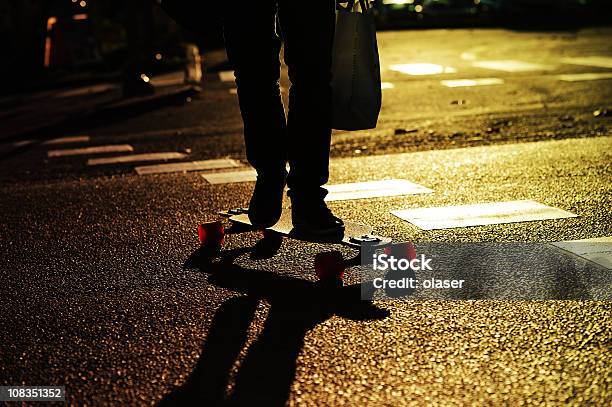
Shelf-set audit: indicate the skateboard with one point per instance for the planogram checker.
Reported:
(328, 265)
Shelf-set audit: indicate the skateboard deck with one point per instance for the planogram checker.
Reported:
(329, 266)
(354, 235)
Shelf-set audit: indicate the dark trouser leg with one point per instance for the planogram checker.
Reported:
(253, 48)
(308, 32)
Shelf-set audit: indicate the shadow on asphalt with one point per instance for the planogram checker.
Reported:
(267, 371)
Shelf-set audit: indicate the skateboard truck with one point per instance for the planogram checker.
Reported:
(237, 211)
(369, 242)
(329, 266)
(366, 239)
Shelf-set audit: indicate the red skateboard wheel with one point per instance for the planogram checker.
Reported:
(329, 266)
(402, 251)
(211, 234)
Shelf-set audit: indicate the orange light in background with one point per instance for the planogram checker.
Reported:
(51, 22)
(48, 45)
(47, 52)
(79, 17)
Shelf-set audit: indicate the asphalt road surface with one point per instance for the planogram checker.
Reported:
(104, 289)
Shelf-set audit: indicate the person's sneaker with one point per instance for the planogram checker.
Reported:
(266, 205)
(312, 217)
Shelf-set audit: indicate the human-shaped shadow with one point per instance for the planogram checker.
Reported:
(268, 369)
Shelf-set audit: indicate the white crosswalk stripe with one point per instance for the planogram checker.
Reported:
(598, 250)
(56, 141)
(337, 192)
(460, 83)
(188, 166)
(512, 66)
(578, 77)
(134, 158)
(420, 69)
(22, 143)
(447, 217)
(231, 177)
(115, 148)
(597, 61)
(68, 140)
(374, 189)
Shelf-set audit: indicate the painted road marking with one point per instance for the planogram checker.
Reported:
(190, 166)
(585, 77)
(422, 69)
(512, 66)
(227, 76)
(598, 250)
(115, 148)
(459, 83)
(338, 192)
(598, 61)
(135, 158)
(67, 140)
(22, 143)
(387, 85)
(374, 189)
(231, 177)
(447, 217)
(61, 140)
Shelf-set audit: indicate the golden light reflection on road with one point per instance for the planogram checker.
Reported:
(422, 69)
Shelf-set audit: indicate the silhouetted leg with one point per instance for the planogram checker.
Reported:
(268, 369)
(308, 32)
(253, 48)
(226, 337)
